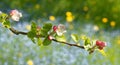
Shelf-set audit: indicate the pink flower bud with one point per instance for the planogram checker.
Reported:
(55, 28)
(50, 37)
(100, 44)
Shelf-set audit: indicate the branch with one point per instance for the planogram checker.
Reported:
(17, 32)
(76, 45)
(25, 33)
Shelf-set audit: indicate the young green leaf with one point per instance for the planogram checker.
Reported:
(33, 26)
(75, 37)
(3, 17)
(6, 24)
(47, 26)
(32, 33)
(4, 21)
(45, 29)
(46, 41)
(43, 32)
(83, 37)
(60, 38)
(39, 41)
(87, 41)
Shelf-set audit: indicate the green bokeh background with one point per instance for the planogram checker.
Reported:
(17, 50)
(85, 11)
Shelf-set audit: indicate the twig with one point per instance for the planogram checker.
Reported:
(17, 32)
(25, 33)
(76, 45)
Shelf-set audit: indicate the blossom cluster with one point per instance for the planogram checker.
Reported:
(15, 15)
(59, 30)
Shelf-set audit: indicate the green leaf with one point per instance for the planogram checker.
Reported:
(75, 37)
(39, 41)
(4, 21)
(83, 37)
(87, 41)
(33, 26)
(45, 29)
(3, 17)
(60, 38)
(43, 32)
(47, 26)
(31, 35)
(103, 53)
(33, 40)
(6, 24)
(46, 41)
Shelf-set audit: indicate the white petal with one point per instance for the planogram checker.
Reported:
(16, 15)
(59, 33)
(20, 14)
(15, 18)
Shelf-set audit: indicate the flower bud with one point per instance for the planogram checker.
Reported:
(50, 37)
(55, 28)
(100, 44)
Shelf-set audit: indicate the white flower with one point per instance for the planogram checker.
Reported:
(0, 12)
(60, 30)
(15, 15)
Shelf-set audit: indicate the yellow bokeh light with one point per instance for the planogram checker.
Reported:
(112, 23)
(37, 6)
(68, 13)
(30, 62)
(104, 20)
(52, 18)
(85, 8)
(69, 18)
(28, 27)
(118, 41)
(96, 28)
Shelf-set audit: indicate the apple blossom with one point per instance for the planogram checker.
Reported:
(60, 29)
(15, 15)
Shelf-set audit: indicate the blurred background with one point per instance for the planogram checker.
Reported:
(98, 19)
